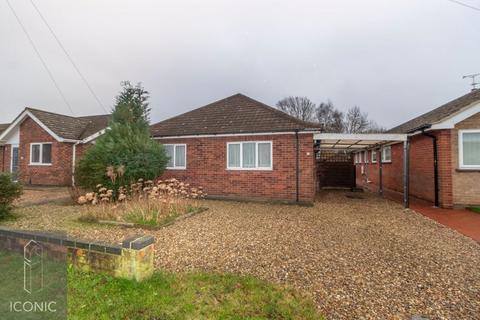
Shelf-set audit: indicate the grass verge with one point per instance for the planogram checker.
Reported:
(474, 209)
(183, 296)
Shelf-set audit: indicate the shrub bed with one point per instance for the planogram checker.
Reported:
(149, 204)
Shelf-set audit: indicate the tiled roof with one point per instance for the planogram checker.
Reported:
(75, 128)
(95, 124)
(438, 114)
(235, 114)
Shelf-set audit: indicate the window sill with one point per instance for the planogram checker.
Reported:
(249, 169)
(386, 162)
(467, 169)
(177, 168)
(40, 164)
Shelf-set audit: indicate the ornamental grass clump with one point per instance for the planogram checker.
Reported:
(145, 202)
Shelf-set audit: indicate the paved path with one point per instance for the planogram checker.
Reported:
(464, 221)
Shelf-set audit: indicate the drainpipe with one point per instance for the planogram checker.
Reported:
(297, 168)
(435, 165)
(74, 154)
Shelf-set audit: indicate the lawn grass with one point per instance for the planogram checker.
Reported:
(183, 296)
(474, 209)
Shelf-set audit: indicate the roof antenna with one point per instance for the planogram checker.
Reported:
(473, 77)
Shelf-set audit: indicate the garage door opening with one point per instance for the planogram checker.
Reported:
(332, 165)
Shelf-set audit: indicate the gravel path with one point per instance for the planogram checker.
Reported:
(358, 258)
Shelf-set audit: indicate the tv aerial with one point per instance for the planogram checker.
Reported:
(474, 82)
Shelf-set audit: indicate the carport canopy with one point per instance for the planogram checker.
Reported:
(352, 142)
(356, 141)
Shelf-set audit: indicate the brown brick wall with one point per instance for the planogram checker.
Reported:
(421, 169)
(466, 184)
(206, 166)
(59, 173)
(5, 154)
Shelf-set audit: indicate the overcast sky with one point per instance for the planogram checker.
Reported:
(395, 59)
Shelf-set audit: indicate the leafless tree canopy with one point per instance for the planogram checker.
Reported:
(299, 107)
(374, 127)
(356, 121)
(330, 118)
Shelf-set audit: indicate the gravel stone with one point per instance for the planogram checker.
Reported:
(357, 258)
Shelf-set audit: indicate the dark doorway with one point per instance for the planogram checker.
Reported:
(335, 169)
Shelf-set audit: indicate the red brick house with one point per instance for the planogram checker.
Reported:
(40, 147)
(238, 147)
(444, 156)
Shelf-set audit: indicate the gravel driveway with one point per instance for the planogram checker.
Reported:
(358, 258)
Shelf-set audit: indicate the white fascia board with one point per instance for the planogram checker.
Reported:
(230, 135)
(361, 136)
(27, 113)
(94, 136)
(451, 121)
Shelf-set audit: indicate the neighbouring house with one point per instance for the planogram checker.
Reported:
(444, 161)
(40, 147)
(238, 147)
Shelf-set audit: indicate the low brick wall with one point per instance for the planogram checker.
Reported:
(134, 259)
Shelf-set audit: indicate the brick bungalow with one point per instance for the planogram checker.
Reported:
(444, 159)
(238, 147)
(40, 147)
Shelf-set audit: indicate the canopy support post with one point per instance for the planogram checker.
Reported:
(380, 173)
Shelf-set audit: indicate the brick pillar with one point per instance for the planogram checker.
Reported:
(445, 168)
(137, 258)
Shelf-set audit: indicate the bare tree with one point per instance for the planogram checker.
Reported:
(356, 121)
(329, 117)
(374, 127)
(299, 107)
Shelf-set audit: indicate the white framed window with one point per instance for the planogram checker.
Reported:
(355, 158)
(177, 154)
(387, 154)
(365, 156)
(41, 153)
(469, 148)
(249, 155)
(374, 156)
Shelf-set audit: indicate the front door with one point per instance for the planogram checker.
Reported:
(14, 163)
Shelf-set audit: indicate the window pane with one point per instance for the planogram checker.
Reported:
(387, 154)
(264, 155)
(234, 155)
(36, 153)
(169, 151)
(471, 148)
(179, 156)
(47, 153)
(248, 155)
